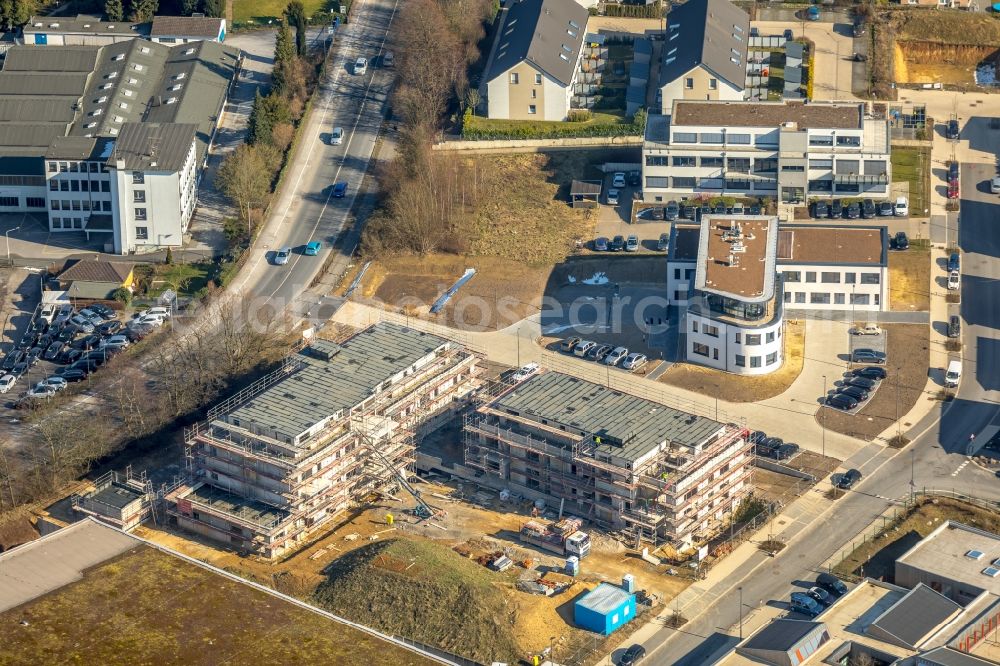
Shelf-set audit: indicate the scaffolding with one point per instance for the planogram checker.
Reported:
(123, 500)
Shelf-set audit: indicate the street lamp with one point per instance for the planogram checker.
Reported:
(6, 236)
(822, 420)
(741, 612)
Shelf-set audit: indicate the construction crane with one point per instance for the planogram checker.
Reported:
(423, 510)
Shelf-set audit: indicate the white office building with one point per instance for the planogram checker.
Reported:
(788, 150)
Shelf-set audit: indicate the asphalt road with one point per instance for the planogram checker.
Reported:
(307, 210)
(937, 458)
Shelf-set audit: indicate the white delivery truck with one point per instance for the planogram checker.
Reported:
(953, 375)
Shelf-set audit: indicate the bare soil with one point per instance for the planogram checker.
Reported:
(908, 359)
(737, 388)
(909, 280)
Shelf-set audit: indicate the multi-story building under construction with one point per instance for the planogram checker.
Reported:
(623, 462)
(333, 424)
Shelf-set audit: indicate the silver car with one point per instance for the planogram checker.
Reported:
(282, 255)
(616, 355)
(634, 361)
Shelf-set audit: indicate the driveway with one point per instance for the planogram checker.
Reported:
(834, 49)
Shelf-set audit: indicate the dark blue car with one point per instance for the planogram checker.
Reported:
(339, 190)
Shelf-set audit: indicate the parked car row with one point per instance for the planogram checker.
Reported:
(630, 244)
(606, 354)
(865, 208)
(772, 447)
(954, 269)
(673, 211)
(816, 599)
(856, 388)
(79, 341)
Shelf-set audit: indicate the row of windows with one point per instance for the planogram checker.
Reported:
(74, 185)
(769, 164)
(29, 202)
(709, 183)
(824, 298)
(23, 181)
(515, 79)
(832, 277)
(77, 204)
(67, 222)
(77, 167)
(713, 84)
(741, 360)
(752, 339)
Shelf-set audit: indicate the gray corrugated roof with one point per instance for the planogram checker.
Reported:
(325, 387)
(538, 31)
(82, 24)
(38, 109)
(781, 635)
(43, 83)
(79, 148)
(705, 35)
(945, 656)
(914, 617)
(186, 26)
(153, 146)
(33, 136)
(605, 598)
(63, 59)
(793, 75)
(591, 408)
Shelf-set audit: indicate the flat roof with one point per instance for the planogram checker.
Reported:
(684, 245)
(250, 510)
(912, 620)
(153, 146)
(811, 115)
(642, 425)
(89, 593)
(605, 598)
(115, 495)
(82, 23)
(736, 256)
(810, 244)
(186, 26)
(336, 377)
(945, 552)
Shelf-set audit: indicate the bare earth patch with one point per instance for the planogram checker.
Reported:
(737, 388)
(909, 280)
(908, 359)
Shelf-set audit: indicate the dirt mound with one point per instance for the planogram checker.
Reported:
(425, 592)
(976, 29)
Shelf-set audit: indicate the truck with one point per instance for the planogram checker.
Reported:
(563, 537)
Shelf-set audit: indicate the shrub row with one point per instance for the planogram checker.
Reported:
(477, 129)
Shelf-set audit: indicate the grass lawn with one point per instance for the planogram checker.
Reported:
(909, 278)
(185, 279)
(737, 388)
(596, 118)
(878, 556)
(912, 165)
(908, 357)
(259, 11)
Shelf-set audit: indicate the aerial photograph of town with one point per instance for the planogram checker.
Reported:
(500, 332)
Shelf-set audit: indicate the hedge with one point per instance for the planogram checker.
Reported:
(477, 129)
(654, 10)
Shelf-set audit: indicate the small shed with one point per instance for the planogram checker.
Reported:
(785, 642)
(95, 279)
(585, 193)
(635, 98)
(604, 609)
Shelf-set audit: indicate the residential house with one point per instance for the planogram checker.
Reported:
(535, 60)
(95, 279)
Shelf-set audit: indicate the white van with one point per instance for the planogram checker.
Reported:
(953, 375)
(48, 313)
(954, 280)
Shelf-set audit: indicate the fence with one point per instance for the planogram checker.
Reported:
(767, 42)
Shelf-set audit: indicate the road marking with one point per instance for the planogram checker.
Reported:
(961, 467)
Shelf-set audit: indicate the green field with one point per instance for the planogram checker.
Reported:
(912, 165)
(261, 11)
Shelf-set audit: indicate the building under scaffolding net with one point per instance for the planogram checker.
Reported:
(332, 425)
(626, 463)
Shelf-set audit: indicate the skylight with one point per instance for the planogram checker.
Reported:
(975, 554)
(992, 572)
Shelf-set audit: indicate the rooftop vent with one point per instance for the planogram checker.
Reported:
(111, 26)
(326, 352)
(188, 51)
(171, 100)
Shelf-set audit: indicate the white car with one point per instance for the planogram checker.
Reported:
(41, 391)
(868, 329)
(634, 361)
(954, 280)
(337, 137)
(618, 180)
(6, 382)
(524, 372)
(58, 383)
(612, 197)
(902, 208)
(158, 311)
(995, 185)
(282, 255)
(361, 66)
(616, 355)
(150, 319)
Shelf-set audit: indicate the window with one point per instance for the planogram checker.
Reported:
(142, 233)
(531, 108)
(106, 206)
(715, 354)
(711, 161)
(74, 185)
(700, 349)
(792, 276)
(76, 204)
(838, 298)
(755, 361)
(847, 167)
(810, 276)
(821, 164)
(713, 84)
(770, 336)
(86, 204)
(538, 79)
(819, 298)
(684, 182)
(771, 359)
(851, 141)
(829, 278)
(54, 204)
(677, 274)
(869, 278)
(138, 178)
(66, 204)
(137, 67)
(681, 161)
(850, 278)
(656, 160)
(739, 164)
(788, 297)
(800, 297)
(753, 339)
(513, 77)
(63, 167)
(742, 139)
(34, 202)
(140, 213)
(713, 331)
(684, 137)
(534, 94)
(53, 167)
(736, 337)
(737, 184)
(820, 140)
(656, 181)
(93, 167)
(53, 186)
(139, 196)
(712, 138)
(64, 186)
(9, 201)
(694, 326)
(105, 186)
(689, 83)
(859, 299)
(875, 168)
(741, 361)
(794, 168)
